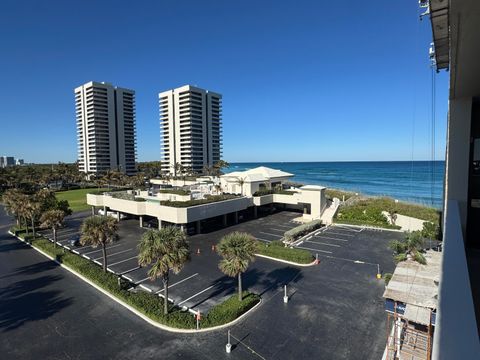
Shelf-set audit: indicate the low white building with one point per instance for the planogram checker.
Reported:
(248, 182)
(232, 195)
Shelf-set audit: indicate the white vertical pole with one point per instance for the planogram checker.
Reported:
(228, 347)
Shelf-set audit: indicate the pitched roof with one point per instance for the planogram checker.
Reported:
(260, 173)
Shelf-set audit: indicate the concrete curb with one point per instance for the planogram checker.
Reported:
(308, 236)
(135, 311)
(313, 263)
(367, 227)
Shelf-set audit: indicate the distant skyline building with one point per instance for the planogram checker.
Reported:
(105, 118)
(190, 128)
(7, 161)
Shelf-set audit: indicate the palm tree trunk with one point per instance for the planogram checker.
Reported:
(165, 293)
(33, 227)
(104, 250)
(240, 286)
(54, 237)
(26, 225)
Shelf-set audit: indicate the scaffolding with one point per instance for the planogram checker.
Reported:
(407, 340)
(411, 303)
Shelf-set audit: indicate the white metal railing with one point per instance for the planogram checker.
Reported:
(456, 335)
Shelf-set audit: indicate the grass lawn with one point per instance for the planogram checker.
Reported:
(76, 198)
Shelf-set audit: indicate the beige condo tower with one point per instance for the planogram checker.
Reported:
(190, 128)
(105, 116)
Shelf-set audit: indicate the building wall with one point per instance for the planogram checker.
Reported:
(105, 118)
(190, 128)
(458, 154)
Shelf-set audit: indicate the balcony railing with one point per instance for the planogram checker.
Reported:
(456, 335)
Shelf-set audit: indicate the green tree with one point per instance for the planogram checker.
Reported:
(166, 250)
(409, 248)
(240, 181)
(99, 231)
(53, 219)
(218, 166)
(237, 250)
(430, 230)
(33, 210)
(14, 200)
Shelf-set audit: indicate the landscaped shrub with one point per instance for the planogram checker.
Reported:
(301, 230)
(149, 304)
(230, 309)
(279, 251)
(125, 196)
(208, 199)
(263, 192)
(175, 191)
(369, 212)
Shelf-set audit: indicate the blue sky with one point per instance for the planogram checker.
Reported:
(301, 81)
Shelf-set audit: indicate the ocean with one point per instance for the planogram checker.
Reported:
(403, 180)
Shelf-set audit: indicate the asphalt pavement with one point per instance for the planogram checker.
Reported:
(335, 309)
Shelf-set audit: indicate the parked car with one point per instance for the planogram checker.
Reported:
(112, 214)
(74, 240)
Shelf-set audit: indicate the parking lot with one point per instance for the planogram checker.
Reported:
(352, 244)
(325, 297)
(200, 284)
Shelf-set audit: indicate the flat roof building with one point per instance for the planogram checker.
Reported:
(105, 117)
(190, 129)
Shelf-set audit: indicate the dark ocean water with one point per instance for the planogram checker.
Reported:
(403, 180)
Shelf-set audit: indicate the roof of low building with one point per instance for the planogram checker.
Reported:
(261, 173)
(313, 187)
(415, 284)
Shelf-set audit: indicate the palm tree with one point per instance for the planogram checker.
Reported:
(238, 250)
(33, 209)
(166, 250)
(241, 181)
(99, 231)
(218, 166)
(409, 248)
(13, 199)
(53, 219)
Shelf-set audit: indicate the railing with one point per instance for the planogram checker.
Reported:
(456, 335)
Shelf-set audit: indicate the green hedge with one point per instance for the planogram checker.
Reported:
(148, 304)
(278, 250)
(369, 212)
(208, 199)
(126, 196)
(263, 192)
(230, 309)
(175, 191)
(301, 230)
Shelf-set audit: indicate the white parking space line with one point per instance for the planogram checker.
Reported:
(272, 229)
(138, 282)
(334, 233)
(348, 229)
(317, 250)
(178, 282)
(119, 252)
(110, 247)
(130, 270)
(331, 238)
(322, 243)
(265, 240)
(199, 293)
(265, 233)
(119, 262)
(283, 226)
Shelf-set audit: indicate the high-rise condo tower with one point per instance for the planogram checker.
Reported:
(105, 128)
(190, 128)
